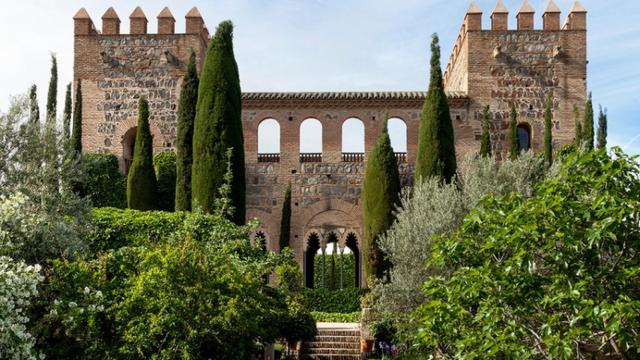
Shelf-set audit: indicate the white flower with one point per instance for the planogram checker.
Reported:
(87, 290)
(100, 308)
(98, 293)
(53, 312)
(72, 304)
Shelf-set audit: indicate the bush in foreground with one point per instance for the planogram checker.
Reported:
(555, 276)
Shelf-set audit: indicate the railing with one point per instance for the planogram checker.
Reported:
(269, 158)
(310, 157)
(352, 157)
(401, 157)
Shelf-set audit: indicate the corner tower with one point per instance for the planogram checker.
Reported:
(502, 67)
(116, 69)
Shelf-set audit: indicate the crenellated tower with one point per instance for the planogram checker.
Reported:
(116, 69)
(501, 67)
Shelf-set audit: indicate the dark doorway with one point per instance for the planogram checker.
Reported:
(128, 147)
(524, 136)
(313, 245)
(352, 244)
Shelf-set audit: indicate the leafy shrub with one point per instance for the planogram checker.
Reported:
(195, 293)
(320, 316)
(553, 276)
(332, 271)
(103, 183)
(115, 228)
(334, 301)
(165, 167)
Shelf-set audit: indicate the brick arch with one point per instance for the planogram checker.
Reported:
(269, 226)
(259, 123)
(333, 215)
(128, 124)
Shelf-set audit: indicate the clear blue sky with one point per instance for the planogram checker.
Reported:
(330, 45)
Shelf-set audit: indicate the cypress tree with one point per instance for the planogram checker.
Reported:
(587, 129)
(218, 127)
(285, 223)
(548, 147)
(34, 109)
(184, 142)
(485, 143)
(66, 116)
(76, 135)
(142, 188)
(52, 96)
(380, 194)
(602, 129)
(436, 146)
(514, 143)
(578, 134)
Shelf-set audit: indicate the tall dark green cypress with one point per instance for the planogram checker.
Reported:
(285, 222)
(602, 129)
(184, 141)
(436, 145)
(587, 127)
(142, 187)
(52, 96)
(578, 129)
(218, 127)
(34, 108)
(66, 115)
(514, 143)
(485, 141)
(380, 195)
(548, 137)
(76, 134)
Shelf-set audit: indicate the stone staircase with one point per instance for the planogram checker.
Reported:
(335, 341)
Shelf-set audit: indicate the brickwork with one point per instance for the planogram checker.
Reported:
(487, 67)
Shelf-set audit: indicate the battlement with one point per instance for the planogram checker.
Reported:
(84, 25)
(576, 21)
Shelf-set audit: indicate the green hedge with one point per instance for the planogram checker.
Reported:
(334, 301)
(165, 167)
(115, 228)
(320, 316)
(103, 183)
(332, 271)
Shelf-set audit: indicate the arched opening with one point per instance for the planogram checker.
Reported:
(313, 245)
(353, 140)
(269, 141)
(311, 140)
(524, 136)
(352, 244)
(398, 135)
(128, 146)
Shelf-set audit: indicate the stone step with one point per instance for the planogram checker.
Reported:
(329, 351)
(338, 332)
(330, 357)
(332, 345)
(332, 338)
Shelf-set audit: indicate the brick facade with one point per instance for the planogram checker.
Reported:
(497, 67)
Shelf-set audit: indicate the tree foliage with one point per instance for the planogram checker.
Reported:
(103, 182)
(196, 294)
(218, 127)
(602, 129)
(514, 142)
(587, 126)
(578, 129)
(66, 115)
(76, 134)
(184, 138)
(52, 96)
(485, 141)
(142, 186)
(34, 108)
(37, 167)
(285, 222)
(380, 195)
(436, 144)
(433, 208)
(553, 276)
(165, 168)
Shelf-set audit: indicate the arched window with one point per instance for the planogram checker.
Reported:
(269, 141)
(398, 135)
(524, 136)
(311, 141)
(353, 140)
(128, 144)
